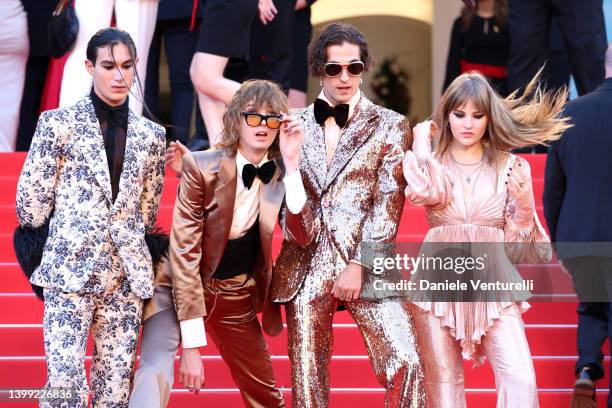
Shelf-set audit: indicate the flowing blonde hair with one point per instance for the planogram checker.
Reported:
(512, 122)
(255, 93)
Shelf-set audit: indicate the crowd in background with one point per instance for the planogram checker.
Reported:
(506, 41)
(278, 37)
(509, 41)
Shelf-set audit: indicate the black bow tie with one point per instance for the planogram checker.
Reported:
(322, 111)
(119, 115)
(265, 173)
(105, 112)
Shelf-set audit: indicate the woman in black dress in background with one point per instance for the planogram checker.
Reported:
(480, 41)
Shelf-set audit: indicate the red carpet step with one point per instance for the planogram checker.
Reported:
(545, 340)
(345, 372)
(26, 309)
(230, 398)
(550, 326)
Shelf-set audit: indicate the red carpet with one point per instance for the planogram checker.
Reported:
(551, 328)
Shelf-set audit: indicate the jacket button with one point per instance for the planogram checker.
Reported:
(326, 203)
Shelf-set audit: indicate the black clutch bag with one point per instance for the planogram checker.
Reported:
(63, 28)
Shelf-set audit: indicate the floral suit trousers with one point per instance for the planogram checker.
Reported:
(108, 308)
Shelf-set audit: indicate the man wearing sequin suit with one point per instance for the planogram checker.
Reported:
(352, 174)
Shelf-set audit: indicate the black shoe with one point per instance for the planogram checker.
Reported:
(584, 391)
(196, 145)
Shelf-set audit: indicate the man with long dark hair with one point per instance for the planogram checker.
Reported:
(94, 175)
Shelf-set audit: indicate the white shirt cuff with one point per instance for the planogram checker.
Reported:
(295, 195)
(192, 333)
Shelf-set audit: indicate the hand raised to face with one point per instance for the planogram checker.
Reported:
(291, 138)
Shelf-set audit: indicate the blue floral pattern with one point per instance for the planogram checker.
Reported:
(66, 178)
(108, 308)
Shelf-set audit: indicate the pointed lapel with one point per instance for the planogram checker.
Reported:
(313, 149)
(270, 200)
(91, 143)
(225, 194)
(135, 158)
(359, 128)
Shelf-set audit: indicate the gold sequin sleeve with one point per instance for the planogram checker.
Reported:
(298, 229)
(388, 202)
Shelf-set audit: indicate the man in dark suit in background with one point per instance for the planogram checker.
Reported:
(577, 195)
(584, 32)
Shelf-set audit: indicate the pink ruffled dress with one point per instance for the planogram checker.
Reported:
(488, 215)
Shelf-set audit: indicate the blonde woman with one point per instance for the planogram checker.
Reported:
(476, 191)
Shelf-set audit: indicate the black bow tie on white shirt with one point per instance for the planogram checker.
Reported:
(322, 111)
(265, 173)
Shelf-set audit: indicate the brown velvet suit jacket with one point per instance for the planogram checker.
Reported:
(201, 224)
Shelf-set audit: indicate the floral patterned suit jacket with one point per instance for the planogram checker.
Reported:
(65, 180)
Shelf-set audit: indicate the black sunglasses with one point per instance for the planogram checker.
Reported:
(333, 69)
(255, 119)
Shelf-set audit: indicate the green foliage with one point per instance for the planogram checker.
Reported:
(390, 85)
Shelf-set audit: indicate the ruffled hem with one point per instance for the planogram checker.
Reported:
(469, 332)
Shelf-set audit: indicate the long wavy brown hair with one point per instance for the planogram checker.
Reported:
(512, 122)
(252, 94)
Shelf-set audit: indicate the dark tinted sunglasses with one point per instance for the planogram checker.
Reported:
(255, 119)
(333, 69)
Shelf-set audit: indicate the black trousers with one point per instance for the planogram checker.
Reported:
(592, 277)
(302, 33)
(583, 29)
(179, 45)
(36, 73)
(271, 50)
(272, 46)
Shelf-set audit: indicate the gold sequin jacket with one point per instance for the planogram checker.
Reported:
(358, 199)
